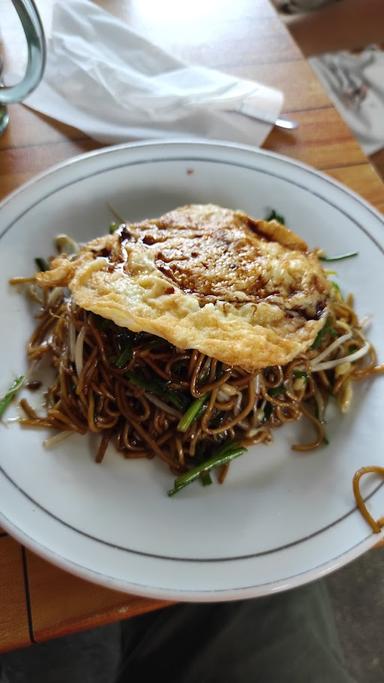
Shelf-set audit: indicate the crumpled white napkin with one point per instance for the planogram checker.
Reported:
(114, 85)
(355, 84)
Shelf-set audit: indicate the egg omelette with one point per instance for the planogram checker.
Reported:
(245, 291)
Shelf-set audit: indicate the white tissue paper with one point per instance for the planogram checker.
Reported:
(355, 84)
(115, 85)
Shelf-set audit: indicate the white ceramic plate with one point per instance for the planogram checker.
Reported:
(282, 518)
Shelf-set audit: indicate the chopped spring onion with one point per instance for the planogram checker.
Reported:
(300, 374)
(205, 478)
(125, 356)
(274, 216)
(336, 288)
(11, 393)
(141, 382)
(79, 348)
(327, 365)
(41, 264)
(268, 408)
(101, 323)
(327, 329)
(223, 456)
(332, 347)
(115, 214)
(276, 391)
(113, 227)
(156, 386)
(193, 412)
(339, 257)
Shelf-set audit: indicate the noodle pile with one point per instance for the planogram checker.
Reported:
(149, 398)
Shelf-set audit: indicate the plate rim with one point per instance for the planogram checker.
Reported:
(209, 595)
(171, 142)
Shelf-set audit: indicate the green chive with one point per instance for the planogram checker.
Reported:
(223, 456)
(193, 412)
(157, 343)
(41, 264)
(125, 356)
(336, 288)
(327, 329)
(10, 394)
(300, 374)
(339, 257)
(274, 216)
(102, 323)
(157, 387)
(276, 391)
(205, 478)
(140, 381)
(113, 227)
(267, 411)
(115, 214)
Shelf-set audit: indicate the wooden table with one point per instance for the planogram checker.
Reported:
(245, 38)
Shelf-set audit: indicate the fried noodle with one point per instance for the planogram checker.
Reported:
(133, 390)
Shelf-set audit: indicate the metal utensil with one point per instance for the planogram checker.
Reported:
(287, 124)
(281, 122)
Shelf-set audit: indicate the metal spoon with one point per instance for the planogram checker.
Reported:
(286, 124)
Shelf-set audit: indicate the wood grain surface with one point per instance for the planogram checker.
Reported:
(61, 603)
(14, 625)
(245, 38)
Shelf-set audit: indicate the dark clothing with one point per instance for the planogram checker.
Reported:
(286, 638)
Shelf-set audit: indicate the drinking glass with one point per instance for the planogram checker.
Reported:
(34, 33)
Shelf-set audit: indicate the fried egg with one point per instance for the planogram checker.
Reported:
(245, 291)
